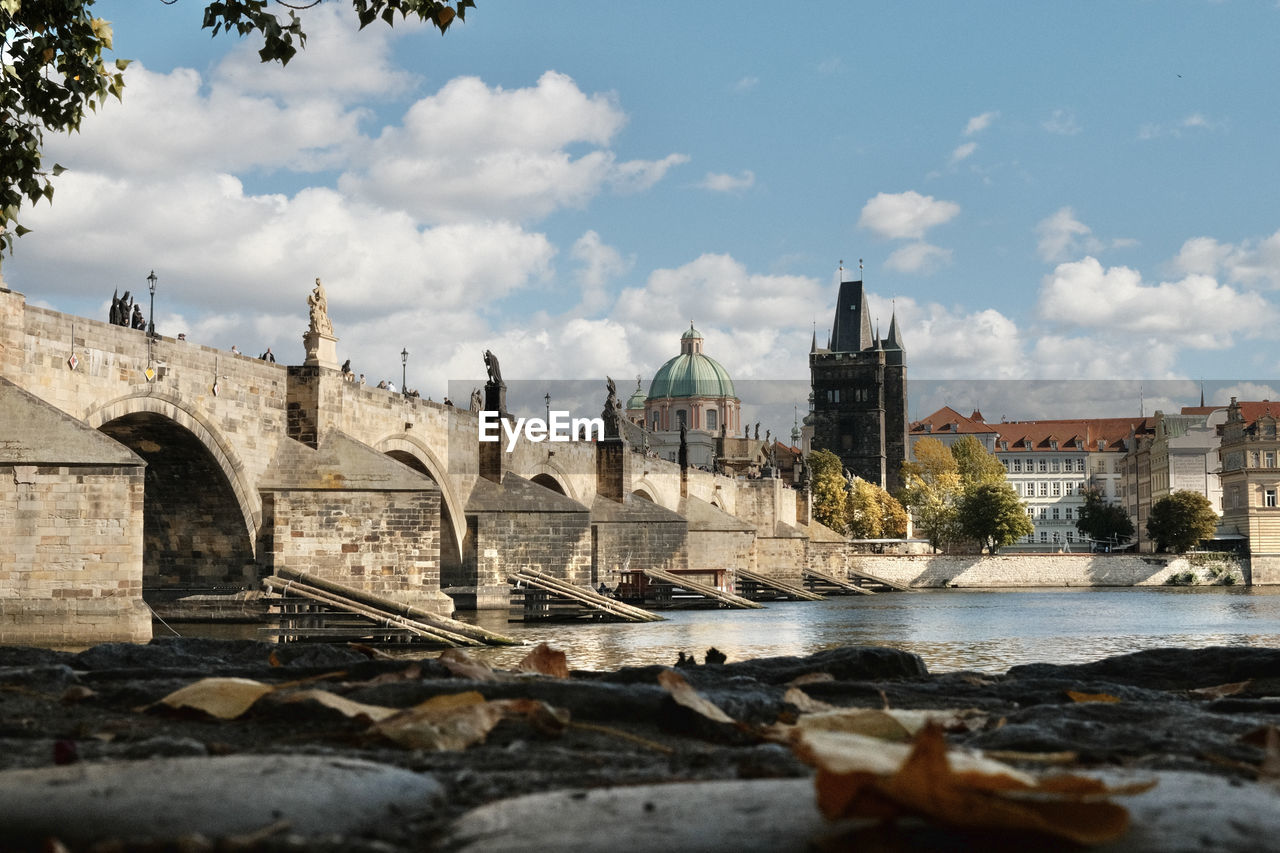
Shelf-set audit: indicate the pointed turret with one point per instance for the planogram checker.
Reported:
(895, 335)
(852, 329)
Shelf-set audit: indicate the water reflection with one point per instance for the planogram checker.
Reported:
(985, 631)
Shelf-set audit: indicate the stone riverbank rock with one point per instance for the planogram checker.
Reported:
(214, 797)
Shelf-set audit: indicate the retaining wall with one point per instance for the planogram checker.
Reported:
(1020, 570)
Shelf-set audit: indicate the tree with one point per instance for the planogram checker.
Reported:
(1102, 521)
(931, 488)
(993, 516)
(54, 69)
(827, 487)
(1181, 520)
(873, 513)
(975, 464)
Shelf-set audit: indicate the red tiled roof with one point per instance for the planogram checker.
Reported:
(948, 421)
(1114, 432)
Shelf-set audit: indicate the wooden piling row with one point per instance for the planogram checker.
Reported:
(584, 596)
(792, 591)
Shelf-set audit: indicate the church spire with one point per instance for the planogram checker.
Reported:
(895, 335)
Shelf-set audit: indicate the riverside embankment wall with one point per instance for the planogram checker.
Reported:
(1020, 570)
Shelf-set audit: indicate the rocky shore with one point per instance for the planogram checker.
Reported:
(94, 756)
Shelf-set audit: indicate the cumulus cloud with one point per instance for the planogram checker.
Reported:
(918, 258)
(979, 123)
(1189, 123)
(1195, 311)
(599, 265)
(906, 215)
(475, 152)
(1061, 235)
(724, 183)
(1254, 263)
(746, 84)
(945, 343)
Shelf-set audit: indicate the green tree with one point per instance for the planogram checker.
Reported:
(1103, 521)
(931, 487)
(992, 515)
(828, 492)
(55, 69)
(1181, 520)
(893, 517)
(863, 513)
(975, 464)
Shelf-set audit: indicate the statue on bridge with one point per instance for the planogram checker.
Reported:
(319, 305)
(121, 310)
(477, 400)
(682, 455)
(137, 321)
(612, 428)
(495, 390)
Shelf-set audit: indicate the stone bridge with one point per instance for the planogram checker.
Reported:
(132, 467)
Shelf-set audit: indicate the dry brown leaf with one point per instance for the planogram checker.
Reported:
(372, 652)
(341, 704)
(890, 723)
(685, 695)
(864, 777)
(224, 698)
(545, 660)
(274, 659)
(459, 720)
(461, 664)
(1076, 696)
(77, 693)
(806, 703)
(1218, 691)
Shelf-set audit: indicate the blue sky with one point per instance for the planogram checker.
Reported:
(1075, 191)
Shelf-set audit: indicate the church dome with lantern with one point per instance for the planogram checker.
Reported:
(694, 389)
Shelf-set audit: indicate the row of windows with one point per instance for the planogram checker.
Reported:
(682, 419)
(1048, 488)
(1044, 538)
(1268, 497)
(1044, 466)
(1043, 513)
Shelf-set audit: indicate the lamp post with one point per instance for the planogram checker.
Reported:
(547, 397)
(151, 317)
(404, 366)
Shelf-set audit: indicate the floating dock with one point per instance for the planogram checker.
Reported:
(759, 587)
(539, 596)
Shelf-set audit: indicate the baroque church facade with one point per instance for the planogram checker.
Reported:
(859, 392)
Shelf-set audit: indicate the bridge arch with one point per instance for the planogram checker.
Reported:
(644, 489)
(412, 451)
(200, 519)
(551, 476)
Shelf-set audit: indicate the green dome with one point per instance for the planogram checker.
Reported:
(692, 333)
(691, 375)
(637, 398)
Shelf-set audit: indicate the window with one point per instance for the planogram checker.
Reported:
(711, 419)
(1080, 465)
(1031, 512)
(1235, 496)
(1044, 536)
(833, 395)
(1080, 487)
(1030, 465)
(1055, 466)
(1071, 534)
(1057, 489)
(1005, 463)
(1017, 466)
(1069, 511)
(1004, 445)
(1044, 466)
(1044, 488)
(655, 422)
(1268, 497)
(1067, 488)
(1054, 444)
(1055, 514)
(1044, 513)
(680, 417)
(1269, 459)
(1253, 459)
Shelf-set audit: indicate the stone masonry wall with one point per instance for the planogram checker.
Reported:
(558, 543)
(71, 564)
(830, 558)
(385, 543)
(650, 544)
(722, 549)
(780, 557)
(1014, 570)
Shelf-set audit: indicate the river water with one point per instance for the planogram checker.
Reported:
(982, 630)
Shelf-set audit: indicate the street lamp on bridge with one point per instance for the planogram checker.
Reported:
(151, 317)
(404, 367)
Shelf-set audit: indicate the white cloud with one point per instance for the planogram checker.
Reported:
(1061, 236)
(1195, 312)
(746, 84)
(962, 152)
(1192, 122)
(947, 343)
(600, 265)
(1061, 122)
(475, 152)
(918, 258)
(723, 183)
(1250, 262)
(979, 123)
(905, 215)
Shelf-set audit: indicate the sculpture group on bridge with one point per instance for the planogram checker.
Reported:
(124, 312)
(319, 305)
